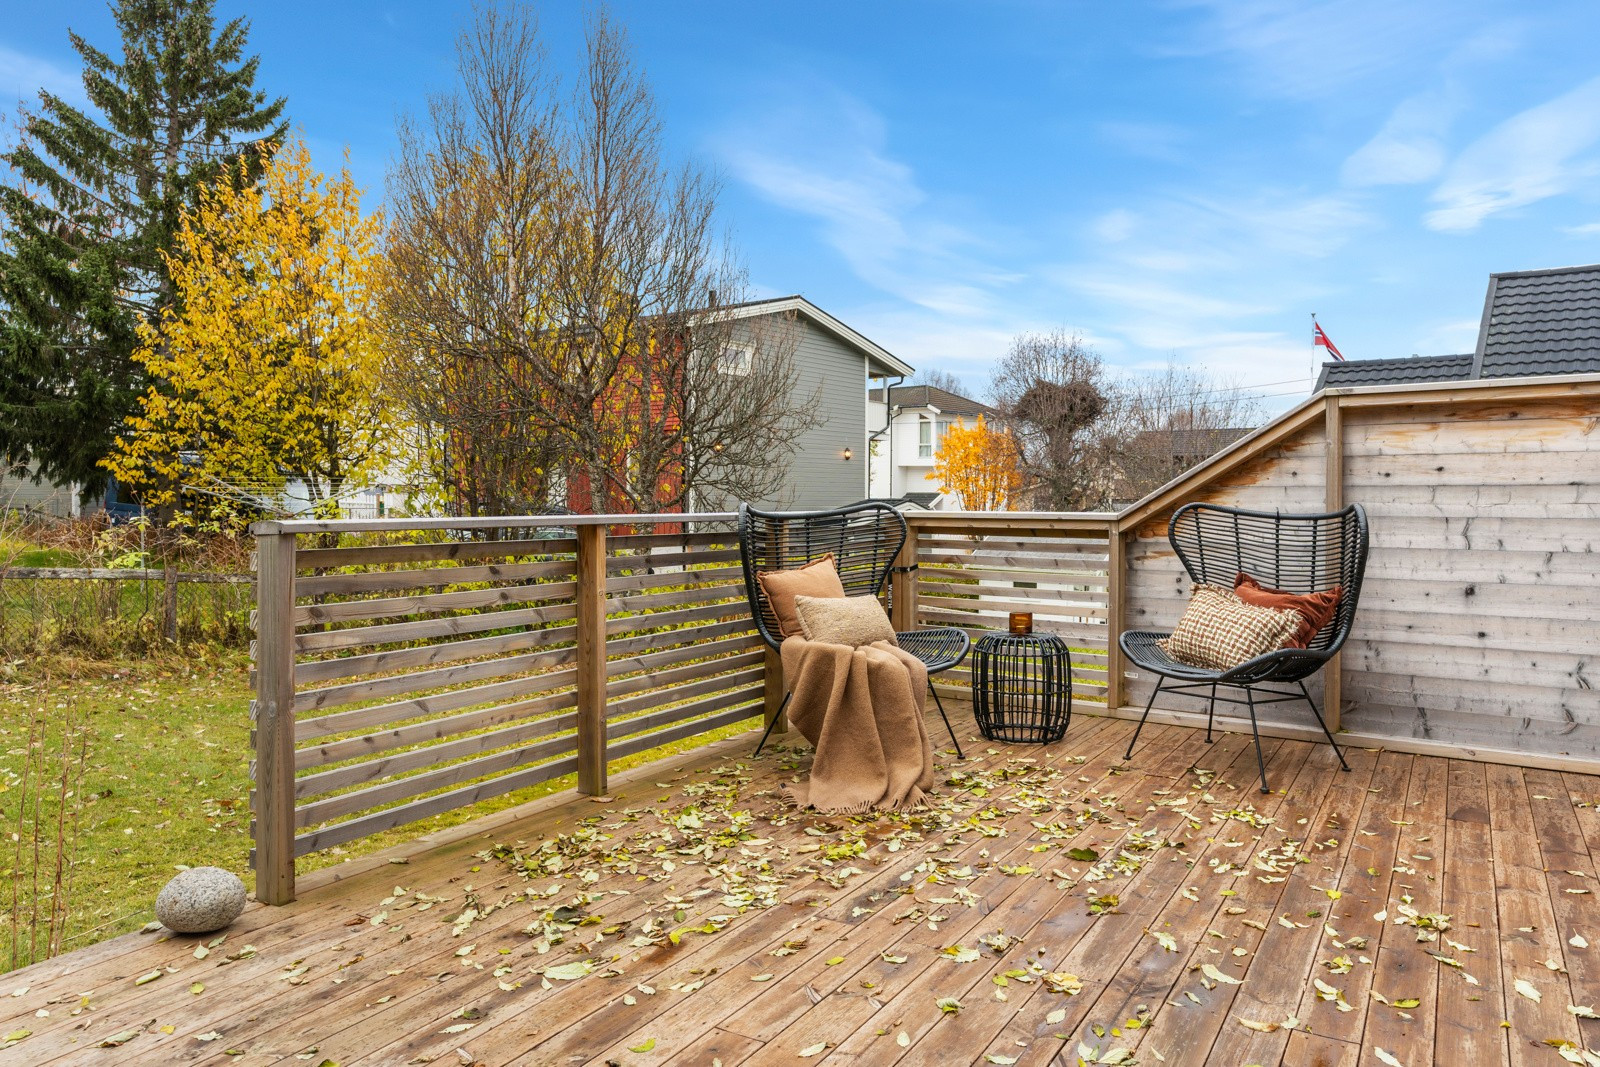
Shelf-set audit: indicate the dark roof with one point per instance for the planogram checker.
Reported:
(1191, 442)
(1402, 371)
(1540, 322)
(1535, 322)
(928, 396)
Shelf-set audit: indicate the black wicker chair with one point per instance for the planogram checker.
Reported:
(864, 538)
(1295, 553)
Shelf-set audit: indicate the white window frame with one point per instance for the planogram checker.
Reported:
(736, 360)
(925, 437)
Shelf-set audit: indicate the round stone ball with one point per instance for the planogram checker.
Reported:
(200, 900)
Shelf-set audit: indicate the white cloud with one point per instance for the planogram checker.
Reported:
(1411, 145)
(1314, 50)
(1161, 141)
(1588, 229)
(827, 157)
(1527, 158)
(23, 75)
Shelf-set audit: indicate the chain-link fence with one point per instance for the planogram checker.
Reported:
(106, 613)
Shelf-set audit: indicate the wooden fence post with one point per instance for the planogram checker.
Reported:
(1333, 427)
(592, 659)
(169, 603)
(772, 692)
(903, 583)
(272, 715)
(1116, 598)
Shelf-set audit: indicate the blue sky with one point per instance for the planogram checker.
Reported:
(1184, 180)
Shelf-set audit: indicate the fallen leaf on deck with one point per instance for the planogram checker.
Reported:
(566, 972)
(1525, 987)
(948, 1005)
(649, 1043)
(1259, 1027)
(1387, 1058)
(1215, 975)
(814, 1050)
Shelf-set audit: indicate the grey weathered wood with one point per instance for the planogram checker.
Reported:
(656, 739)
(426, 655)
(169, 605)
(420, 681)
(424, 603)
(700, 642)
(388, 819)
(591, 652)
(343, 722)
(379, 555)
(487, 522)
(426, 629)
(428, 577)
(310, 785)
(416, 785)
(120, 574)
(438, 729)
(1116, 606)
(745, 680)
(273, 719)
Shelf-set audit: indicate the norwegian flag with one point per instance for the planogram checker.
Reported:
(1320, 338)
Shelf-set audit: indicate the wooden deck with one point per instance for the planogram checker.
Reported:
(719, 926)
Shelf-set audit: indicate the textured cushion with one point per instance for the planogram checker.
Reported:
(819, 578)
(856, 620)
(1315, 608)
(1219, 631)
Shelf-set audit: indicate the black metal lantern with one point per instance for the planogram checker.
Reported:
(1022, 687)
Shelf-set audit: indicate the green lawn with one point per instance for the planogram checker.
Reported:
(165, 784)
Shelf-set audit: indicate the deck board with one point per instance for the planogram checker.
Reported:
(989, 857)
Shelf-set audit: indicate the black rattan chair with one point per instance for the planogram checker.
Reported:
(864, 538)
(1296, 553)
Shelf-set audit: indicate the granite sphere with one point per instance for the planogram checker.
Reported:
(200, 900)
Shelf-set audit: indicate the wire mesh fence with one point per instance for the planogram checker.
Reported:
(106, 613)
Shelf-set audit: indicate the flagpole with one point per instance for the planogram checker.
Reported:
(1312, 381)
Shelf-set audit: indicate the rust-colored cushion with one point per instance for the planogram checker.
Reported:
(817, 578)
(1315, 608)
(1219, 631)
(853, 621)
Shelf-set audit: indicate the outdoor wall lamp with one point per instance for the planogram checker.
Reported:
(848, 455)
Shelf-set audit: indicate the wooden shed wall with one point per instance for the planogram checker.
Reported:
(1288, 477)
(1479, 622)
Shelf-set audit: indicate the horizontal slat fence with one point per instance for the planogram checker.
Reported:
(418, 674)
(972, 572)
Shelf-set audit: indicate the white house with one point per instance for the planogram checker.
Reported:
(903, 436)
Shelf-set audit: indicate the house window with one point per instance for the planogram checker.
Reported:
(736, 360)
(924, 437)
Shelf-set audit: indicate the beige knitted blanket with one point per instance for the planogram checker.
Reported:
(862, 710)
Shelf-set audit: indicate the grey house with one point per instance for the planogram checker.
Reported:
(837, 365)
(1535, 322)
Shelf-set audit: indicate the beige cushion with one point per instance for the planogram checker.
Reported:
(856, 620)
(819, 578)
(1219, 631)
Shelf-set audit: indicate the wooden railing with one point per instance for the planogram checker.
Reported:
(432, 669)
(973, 570)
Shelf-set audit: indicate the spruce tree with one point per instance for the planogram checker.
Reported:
(93, 202)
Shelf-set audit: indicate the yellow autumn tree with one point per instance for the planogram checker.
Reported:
(267, 367)
(980, 464)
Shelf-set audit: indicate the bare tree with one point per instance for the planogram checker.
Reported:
(1162, 424)
(1090, 440)
(1052, 389)
(544, 246)
(939, 378)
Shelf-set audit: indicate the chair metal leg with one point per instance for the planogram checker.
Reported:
(768, 731)
(1320, 722)
(1261, 761)
(1160, 680)
(1211, 711)
(940, 705)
